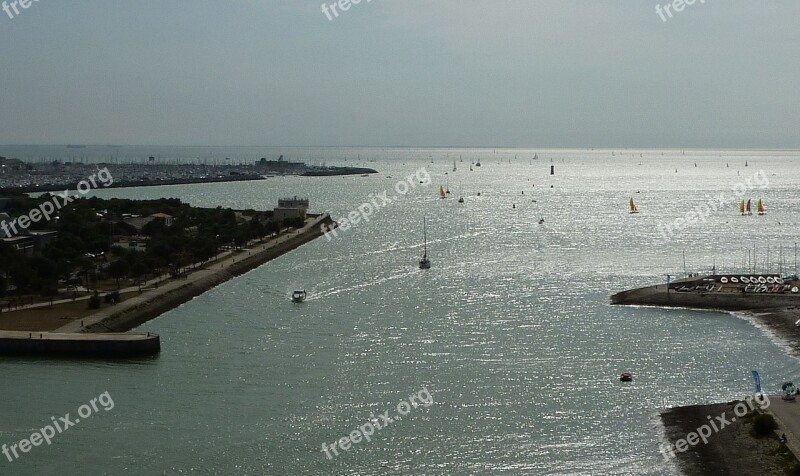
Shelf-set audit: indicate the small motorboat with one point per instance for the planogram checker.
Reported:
(734, 279)
(626, 377)
(298, 295)
(723, 280)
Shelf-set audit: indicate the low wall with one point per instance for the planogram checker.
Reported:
(729, 301)
(161, 303)
(47, 344)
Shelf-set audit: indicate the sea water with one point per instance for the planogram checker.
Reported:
(510, 331)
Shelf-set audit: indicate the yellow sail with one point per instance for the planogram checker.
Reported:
(741, 207)
(761, 209)
(441, 192)
(633, 207)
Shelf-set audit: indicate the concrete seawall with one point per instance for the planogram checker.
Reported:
(53, 344)
(728, 301)
(151, 304)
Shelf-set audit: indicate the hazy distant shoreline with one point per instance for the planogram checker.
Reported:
(131, 184)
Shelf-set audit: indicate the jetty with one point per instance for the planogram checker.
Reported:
(724, 292)
(102, 334)
(58, 344)
(151, 304)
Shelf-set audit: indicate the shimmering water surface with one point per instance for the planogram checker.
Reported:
(510, 331)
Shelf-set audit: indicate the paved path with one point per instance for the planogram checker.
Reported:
(79, 325)
(788, 416)
(129, 289)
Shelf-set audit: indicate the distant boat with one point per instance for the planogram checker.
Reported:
(478, 163)
(747, 208)
(441, 192)
(425, 263)
(454, 166)
(626, 377)
(633, 208)
(535, 156)
(470, 167)
(299, 295)
(760, 208)
(741, 207)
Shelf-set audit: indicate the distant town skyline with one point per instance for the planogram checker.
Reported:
(520, 74)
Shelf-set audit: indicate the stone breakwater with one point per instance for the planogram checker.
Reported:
(152, 304)
(728, 300)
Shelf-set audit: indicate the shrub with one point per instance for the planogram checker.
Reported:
(94, 301)
(764, 425)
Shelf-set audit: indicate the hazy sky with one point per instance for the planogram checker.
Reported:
(524, 73)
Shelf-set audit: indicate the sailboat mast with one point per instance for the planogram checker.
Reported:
(425, 236)
(684, 265)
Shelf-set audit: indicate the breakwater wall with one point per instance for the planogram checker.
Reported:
(161, 301)
(729, 301)
(56, 344)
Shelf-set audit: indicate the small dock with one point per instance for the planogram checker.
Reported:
(58, 344)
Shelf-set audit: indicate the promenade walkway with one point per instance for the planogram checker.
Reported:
(80, 325)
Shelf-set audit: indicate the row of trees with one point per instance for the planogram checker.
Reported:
(84, 250)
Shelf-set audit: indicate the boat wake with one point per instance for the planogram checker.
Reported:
(314, 295)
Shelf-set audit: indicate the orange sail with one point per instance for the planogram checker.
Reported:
(741, 207)
(441, 192)
(633, 207)
(760, 207)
